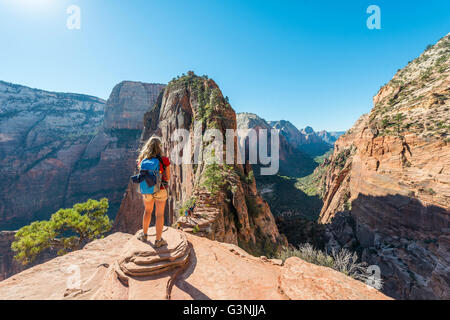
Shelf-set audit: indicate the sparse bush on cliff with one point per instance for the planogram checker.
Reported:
(343, 260)
(213, 179)
(67, 230)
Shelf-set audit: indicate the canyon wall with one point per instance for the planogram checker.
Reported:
(388, 181)
(42, 137)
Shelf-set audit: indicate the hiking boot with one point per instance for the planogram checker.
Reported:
(160, 243)
(142, 236)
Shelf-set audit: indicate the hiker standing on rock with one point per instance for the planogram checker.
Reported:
(153, 182)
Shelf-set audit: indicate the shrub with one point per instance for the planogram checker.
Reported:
(343, 260)
(67, 230)
(213, 179)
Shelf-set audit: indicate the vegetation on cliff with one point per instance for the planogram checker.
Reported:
(416, 99)
(342, 260)
(67, 230)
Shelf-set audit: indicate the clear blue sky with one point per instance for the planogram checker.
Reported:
(311, 62)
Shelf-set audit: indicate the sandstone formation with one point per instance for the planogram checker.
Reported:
(110, 157)
(388, 181)
(229, 207)
(190, 267)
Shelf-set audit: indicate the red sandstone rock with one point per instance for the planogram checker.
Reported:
(214, 271)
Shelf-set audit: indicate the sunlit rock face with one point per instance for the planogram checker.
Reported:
(120, 267)
(387, 183)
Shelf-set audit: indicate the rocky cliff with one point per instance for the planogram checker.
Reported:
(387, 183)
(190, 267)
(228, 205)
(42, 137)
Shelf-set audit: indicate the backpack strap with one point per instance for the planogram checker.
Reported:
(163, 182)
(162, 162)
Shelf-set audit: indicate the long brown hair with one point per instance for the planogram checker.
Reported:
(151, 149)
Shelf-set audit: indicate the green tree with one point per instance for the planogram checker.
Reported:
(67, 230)
(398, 118)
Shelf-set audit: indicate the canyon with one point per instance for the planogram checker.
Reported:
(382, 192)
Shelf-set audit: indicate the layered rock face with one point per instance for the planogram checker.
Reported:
(189, 268)
(388, 191)
(43, 135)
(228, 207)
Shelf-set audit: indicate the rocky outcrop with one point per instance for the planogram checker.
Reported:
(190, 267)
(387, 183)
(128, 103)
(228, 206)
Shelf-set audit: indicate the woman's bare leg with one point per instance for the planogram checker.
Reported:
(147, 214)
(159, 211)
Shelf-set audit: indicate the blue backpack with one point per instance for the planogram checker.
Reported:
(152, 183)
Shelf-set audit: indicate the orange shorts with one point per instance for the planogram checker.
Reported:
(161, 195)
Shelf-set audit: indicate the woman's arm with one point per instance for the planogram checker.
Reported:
(168, 173)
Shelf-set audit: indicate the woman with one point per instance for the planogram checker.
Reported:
(153, 149)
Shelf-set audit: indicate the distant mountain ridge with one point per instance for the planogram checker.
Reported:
(306, 140)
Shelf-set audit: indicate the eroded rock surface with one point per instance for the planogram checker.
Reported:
(212, 270)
